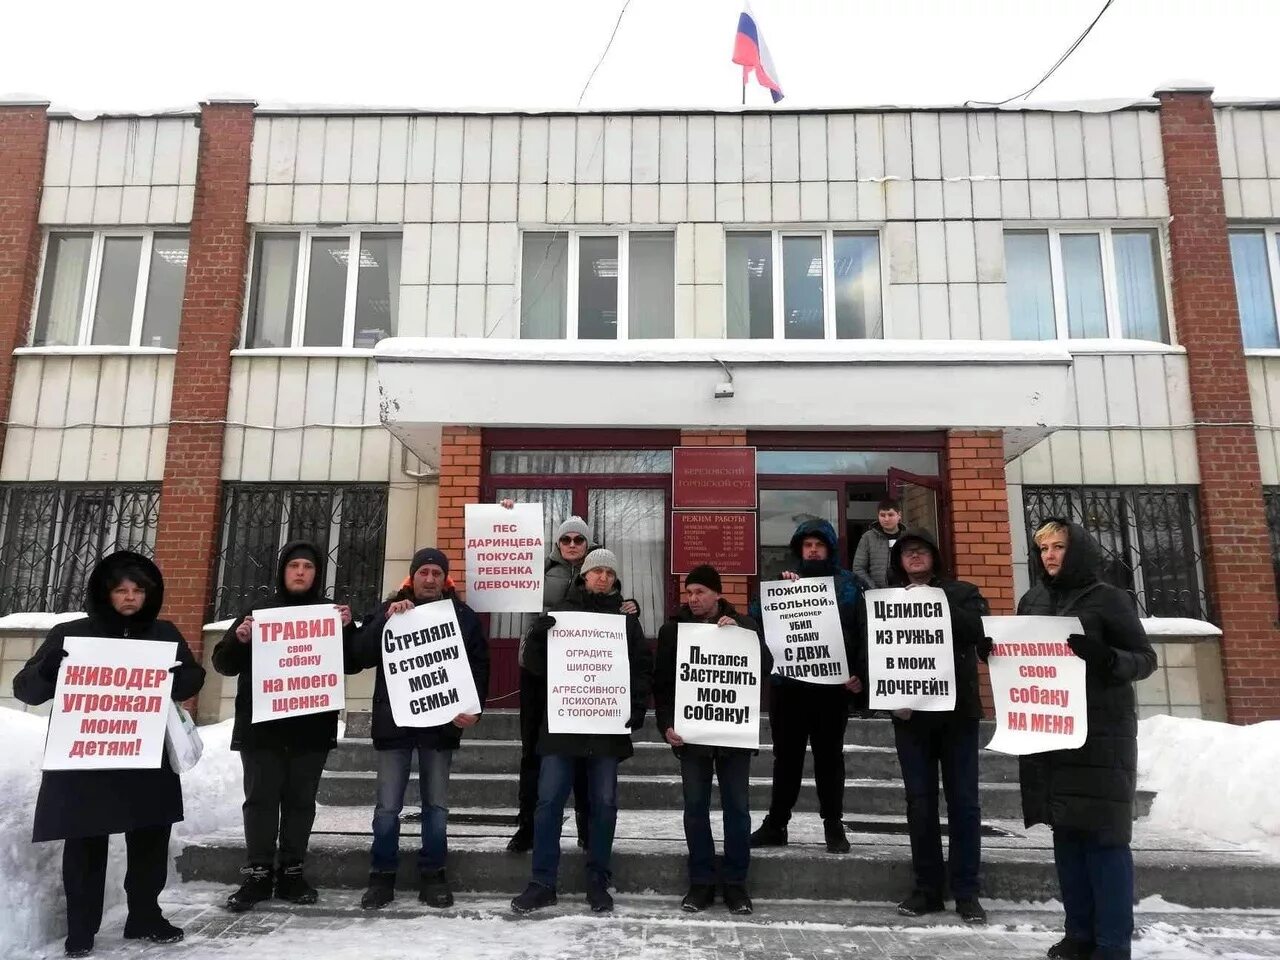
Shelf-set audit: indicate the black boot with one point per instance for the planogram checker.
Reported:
(433, 889)
(1070, 949)
(770, 834)
(522, 840)
(381, 891)
(255, 889)
(919, 903)
(535, 897)
(699, 897)
(833, 831)
(157, 930)
(736, 899)
(970, 910)
(598, 895)
(292, 886)
(78, 946)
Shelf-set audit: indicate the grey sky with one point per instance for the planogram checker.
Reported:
(129, 55)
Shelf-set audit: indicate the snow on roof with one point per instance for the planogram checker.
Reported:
(1179, 627)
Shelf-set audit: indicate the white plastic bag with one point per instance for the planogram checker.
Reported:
(182, 743)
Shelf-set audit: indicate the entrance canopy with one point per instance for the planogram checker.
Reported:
(1017, 387)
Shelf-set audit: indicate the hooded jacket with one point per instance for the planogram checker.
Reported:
(968, 607)
(231, 658)
(90, 803)
(664, 672)
(1090, 789)
(871, 560)
(641, 663)
(387, 734)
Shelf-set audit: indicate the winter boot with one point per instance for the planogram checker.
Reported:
(522, 840)
(157, 930)
(292, 886)
(1070, 949)
(255, 889)
(736, 900)
(535, 897)
(970, 910)
(381, 891)
(78, 946)
(598, 895)
(920, 903)
(433, 889)
(769, 834)
(833, 831)
(699, 897)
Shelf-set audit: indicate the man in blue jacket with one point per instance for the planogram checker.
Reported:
(815, 714)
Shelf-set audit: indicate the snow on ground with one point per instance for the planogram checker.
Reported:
(1212, 778)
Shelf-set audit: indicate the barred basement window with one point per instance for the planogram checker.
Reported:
(1149, 536)
(346, 521)
(52, 534)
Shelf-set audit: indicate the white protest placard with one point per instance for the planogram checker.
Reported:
(717, 686)
(505, 557)
(1037, 684)
(110, 704)
(425, 662)
(802, 629)
(588, 673)
(297, 661)
(910, 659)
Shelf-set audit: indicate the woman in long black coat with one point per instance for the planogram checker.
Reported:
(1086, 795)
(84, 807)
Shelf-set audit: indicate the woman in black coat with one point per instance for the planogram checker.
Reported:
(1086, 795)
(83, 807)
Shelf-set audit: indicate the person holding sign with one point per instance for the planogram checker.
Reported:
(948, 738)
(597, 590)
(808, 713)
(396, 745)
(1086, 795)
(282, 759)
(83, 807)
(731, 766)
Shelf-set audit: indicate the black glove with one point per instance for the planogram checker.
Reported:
(48, 668)
(543, 623)
(636, 720)
(175, 668)
(984, 645)
(1091, 649)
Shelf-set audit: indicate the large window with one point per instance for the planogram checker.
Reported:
(1256, 264)
(111, 288)
(812, 285)
(347, 522)
(52, 534)
(1149, 537)
(1075, 284)
(323, 288)
(598, 286)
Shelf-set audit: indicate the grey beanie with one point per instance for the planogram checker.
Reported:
(574, 525)
(600, 557)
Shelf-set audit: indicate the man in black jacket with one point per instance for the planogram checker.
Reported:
(927, 739)
(731, 766)
(1086, 795)
(396, 745)
(596, 590)
(282, 759)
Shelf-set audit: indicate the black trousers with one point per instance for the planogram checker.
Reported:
(280, 802)
(810, 714)
(84, 877)
(533, 707)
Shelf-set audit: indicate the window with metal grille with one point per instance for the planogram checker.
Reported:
(1271, 500)
(347, 522)
(52, 534)
(1149, 537)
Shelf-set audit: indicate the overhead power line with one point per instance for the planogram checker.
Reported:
(604, 53)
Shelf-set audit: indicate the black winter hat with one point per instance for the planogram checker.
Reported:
(300, 551)
(428, 555)
(705, 575)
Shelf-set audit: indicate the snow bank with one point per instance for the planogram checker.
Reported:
(1213, 778)
(32, 908)
(36, 621)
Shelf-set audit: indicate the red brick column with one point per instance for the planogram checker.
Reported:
(982, 550)
(187, 539)
(460, 466)
(1237, 551)
(735, 588)
(24, 137)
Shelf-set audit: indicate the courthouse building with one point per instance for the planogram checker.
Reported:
(226, 328)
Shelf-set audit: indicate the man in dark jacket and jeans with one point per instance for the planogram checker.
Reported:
(282, 759)
(396, 745)
(1086, 795)
(597, 590)
(731, 766)
(929, 739)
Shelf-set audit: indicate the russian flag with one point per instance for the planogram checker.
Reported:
(750, 51)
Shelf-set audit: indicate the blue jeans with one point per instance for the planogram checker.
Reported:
(555, 780)
(925, 743)
(1097, 891)
(733, 770)
(433, 782)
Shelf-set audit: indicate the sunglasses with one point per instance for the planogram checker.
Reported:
(574, 541)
